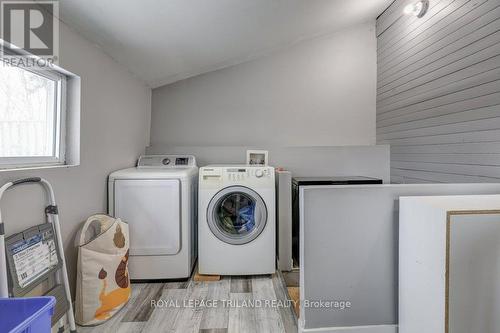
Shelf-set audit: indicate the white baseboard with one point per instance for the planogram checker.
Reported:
(351, 329)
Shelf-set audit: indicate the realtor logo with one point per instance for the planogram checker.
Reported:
(32, 26)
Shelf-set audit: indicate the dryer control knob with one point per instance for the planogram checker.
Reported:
(259, 173)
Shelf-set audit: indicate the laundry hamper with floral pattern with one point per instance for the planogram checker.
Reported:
(103, 283)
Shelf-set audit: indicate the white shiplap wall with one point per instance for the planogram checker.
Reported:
(438, 91)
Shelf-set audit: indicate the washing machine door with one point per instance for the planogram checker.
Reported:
(237, 215)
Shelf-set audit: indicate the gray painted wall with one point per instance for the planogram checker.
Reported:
(371, 161)
(363, 222)
(115, 111)
(319, 92)
(438, 91)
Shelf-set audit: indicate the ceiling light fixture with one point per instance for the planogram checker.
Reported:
(418, 9)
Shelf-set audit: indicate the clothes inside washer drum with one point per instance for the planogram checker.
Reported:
(236, 214)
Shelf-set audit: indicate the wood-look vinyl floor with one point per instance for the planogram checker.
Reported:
(232, 305)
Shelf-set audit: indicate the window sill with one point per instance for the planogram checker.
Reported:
(36, 167)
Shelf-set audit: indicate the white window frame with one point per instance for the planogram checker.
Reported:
(59, 127)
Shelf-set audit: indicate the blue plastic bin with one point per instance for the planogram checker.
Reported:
(26, 315)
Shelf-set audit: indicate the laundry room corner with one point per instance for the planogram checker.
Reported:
(235, 166)
(114, 131)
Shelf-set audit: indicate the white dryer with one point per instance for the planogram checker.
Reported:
(236, 225)
(158, 199)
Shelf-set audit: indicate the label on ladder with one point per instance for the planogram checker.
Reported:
(32, 258)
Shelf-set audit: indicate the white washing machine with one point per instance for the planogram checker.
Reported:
(236, 225)
(158, 199)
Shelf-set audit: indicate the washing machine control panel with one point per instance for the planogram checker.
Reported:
(237, 175)
(242, 174)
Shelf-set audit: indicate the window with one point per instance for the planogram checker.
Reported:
(32, 112)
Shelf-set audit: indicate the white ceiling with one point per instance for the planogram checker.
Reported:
(163, 41)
